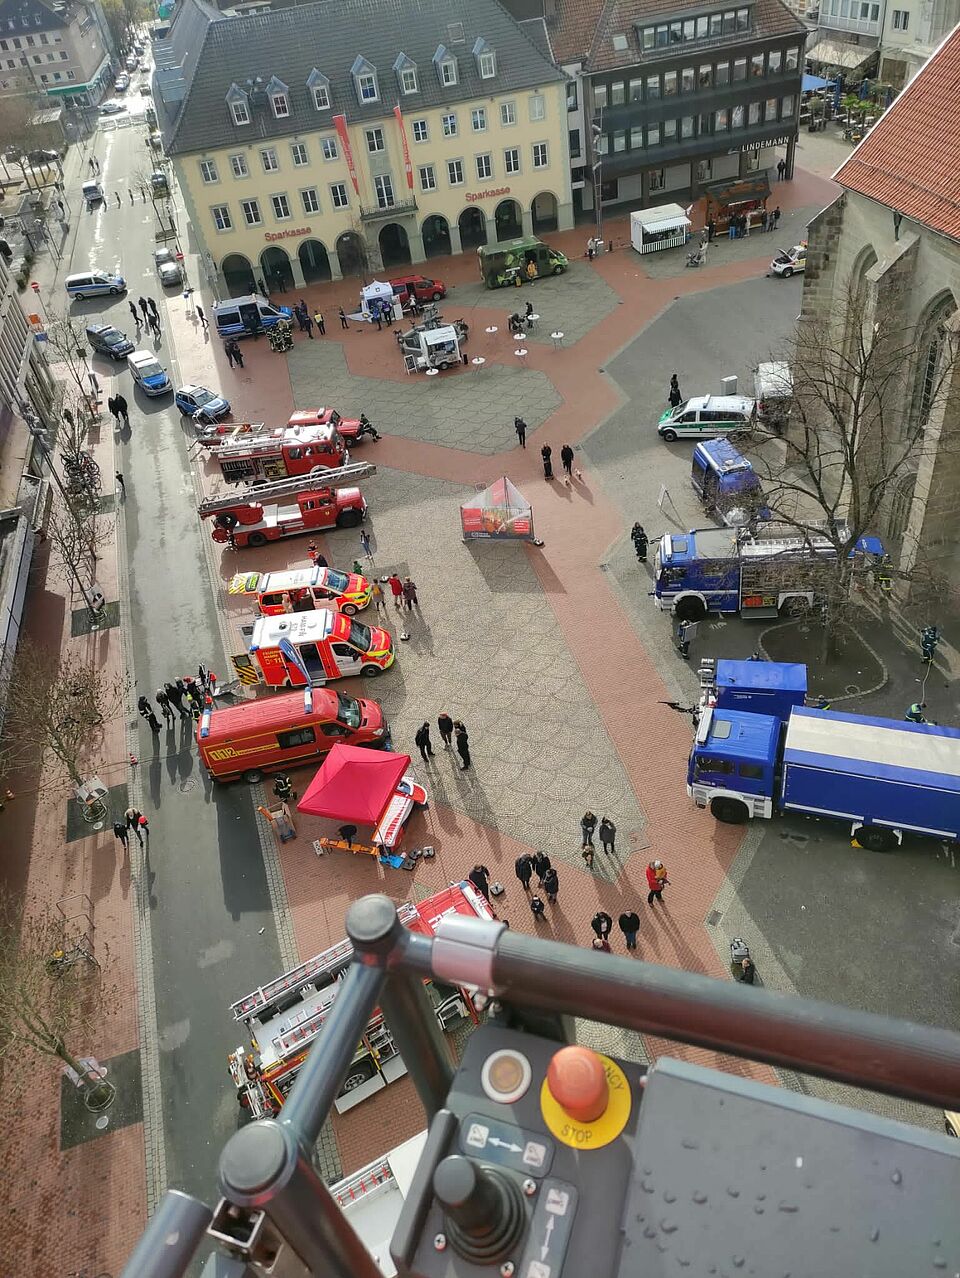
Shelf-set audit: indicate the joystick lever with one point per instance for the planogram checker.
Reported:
(483, 1209)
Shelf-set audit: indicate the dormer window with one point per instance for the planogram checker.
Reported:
(319, 87)
(486, 59)
(278, 96)
(365, 81)
(239, 105)
(446, 65)
(406, 74)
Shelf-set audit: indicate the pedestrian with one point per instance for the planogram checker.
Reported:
(463, 747)
(116, 196)
(283, 788)
(776, 217)
(163, 701)
(591, 248)
(781, 168)
(410, 595)
(174, 696)
(396, 589)
(479, 876)
(675, 397)
(280, 282)
(113, 410)
(732, 228)
(365, 542)
(601, 943)
(261, 287)
(303, 312)
(445, 728)
(520, 426)
(422, 741)
(602, 924)
(237, 353)
(120, 831)
(121, 485)
(523, 869)
(146, 712)
(537, 907)
(308, 324)
(629, 925)
(683, 641)
(202, 318)
(541, 864)
(375, 316)
(155, 324)
(130, 193)
(228, 351)
(640, 542)
(588, 823)
(748, 971)
(608, 834)
(763, 220)
(343, 318)
(319, 321)
(566, 457)
(92, 164)
(656, 882)
(142, 303)
(546, 455)
(132, 816)
(136, 315)
(377, 599)
(551, 885)
(153, 306)
(123, 409)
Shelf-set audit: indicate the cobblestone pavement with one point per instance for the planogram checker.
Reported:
(573, 303)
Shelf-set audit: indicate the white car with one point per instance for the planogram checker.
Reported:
(122, 83)
(149, 373)
(168, 268)
(111, 107)
(790, 261)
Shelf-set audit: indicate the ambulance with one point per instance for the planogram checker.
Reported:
(315, 647)
(276, 733)
(302, 590)
(284, 1016)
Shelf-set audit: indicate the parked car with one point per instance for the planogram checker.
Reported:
(158, 180)
(789, 261)
(144, 66)
(201, 404)
(122, 83)
(148, 372)
(707, 417)
(145, 89)
(422, 288)
(92, 193)
(109, 340)
(111, 107)
(94, 283)
(168, 268)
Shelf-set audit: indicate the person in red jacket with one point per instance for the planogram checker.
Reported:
(396, 589)
(655, 883)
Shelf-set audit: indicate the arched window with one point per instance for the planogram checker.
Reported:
(936, 348)
(900, 505)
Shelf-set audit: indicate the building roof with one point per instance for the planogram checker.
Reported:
(329, 37)
(910, 159)
(30, 16)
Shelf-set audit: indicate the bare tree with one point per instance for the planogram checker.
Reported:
(68, 342)
(56, 706)
(51, 993)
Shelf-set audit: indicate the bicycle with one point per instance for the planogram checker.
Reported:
(61, 959)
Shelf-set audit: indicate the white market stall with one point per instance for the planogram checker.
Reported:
(424, 350)
(665, 226)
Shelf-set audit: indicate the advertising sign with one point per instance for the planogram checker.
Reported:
(499, 513)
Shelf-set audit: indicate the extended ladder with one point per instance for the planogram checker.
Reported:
(289, 487)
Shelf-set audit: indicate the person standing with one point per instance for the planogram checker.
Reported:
(776, 217)
(781, 168)
(655, 884)
(308, 323)
(174, 696)
(546, 456)
(445, 728)
(113, 410)
(396, 589)
(422, 740)
(153, 307)
(133, 816)
(541, 864)
(228, 351)
(640, 542)
(123, 409)
(410, 595)
(602, 924)
(566, 457)
(520, 426)
(319, 321)
(479, 876)
(588, 823)
(711, 230)
(365, 542)
(551, 885)
(136, 314)
(675, 396)
(155, 324)
(120, 832)
(463, 746)
(283, 788)
(118, 476)
(377, 599)
(146, 712)
(629, 924)
(608, 834)
(163, 701)
(237, 353)
(343, 317)
(523, 868)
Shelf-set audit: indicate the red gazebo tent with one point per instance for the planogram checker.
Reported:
(354, 784)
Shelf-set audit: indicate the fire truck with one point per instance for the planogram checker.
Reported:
(311, 648)
(306, 450)
(351, 429)
(246, 520)
(284, 1016)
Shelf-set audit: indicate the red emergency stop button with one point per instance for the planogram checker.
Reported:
(577, 1081)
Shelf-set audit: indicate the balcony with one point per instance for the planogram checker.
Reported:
(399, 208)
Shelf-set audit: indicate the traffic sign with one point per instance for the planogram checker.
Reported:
(179, 257)
(35, 286)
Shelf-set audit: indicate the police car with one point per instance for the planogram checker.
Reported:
(148, 372)
(107, 340)
(790, 261)
(201, 404)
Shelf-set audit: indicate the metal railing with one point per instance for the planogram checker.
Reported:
(276, 1214)
(376, 212)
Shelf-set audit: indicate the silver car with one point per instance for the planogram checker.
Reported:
(168, 268)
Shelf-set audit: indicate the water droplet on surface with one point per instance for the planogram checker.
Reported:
(699, 1196)
(787, 1207)
(689, 1143)
(669, 1226)
(761, 1198)
(669, 1198)
(649, 1232)
(738, 1262)
(939, 1262)
(897, 1177)
(874, 1234)
(798, 1162)
(759, 1210)
(646, 1186)
(834, 1229)
(763, 1166)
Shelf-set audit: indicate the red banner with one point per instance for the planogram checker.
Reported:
(407, 166)
(341, 124)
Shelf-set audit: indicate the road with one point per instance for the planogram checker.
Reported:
(213, 931)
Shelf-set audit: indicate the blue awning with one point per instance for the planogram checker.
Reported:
(811, 82)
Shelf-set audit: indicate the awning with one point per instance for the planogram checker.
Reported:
(69, 90)
(670, 224)
(813, 82)
(662, 217)
(740, 190)
(353, 784)
(837, 53)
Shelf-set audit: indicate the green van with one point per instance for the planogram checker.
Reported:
(707, 417)
(519, 262)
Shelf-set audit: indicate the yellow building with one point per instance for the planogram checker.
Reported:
(314, 140)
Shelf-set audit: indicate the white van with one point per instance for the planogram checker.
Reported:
(707, 417)
(92, 193)
(94, 284)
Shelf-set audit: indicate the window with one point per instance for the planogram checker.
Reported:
(737, 118)
(383, 185)
(540, 160)
(408, 80)
(653, 135)
(573, 138)
(508, 114)
(756, 66)
(705, 77)
(448, 72)
(721, 120)
(428, 177)
(298, 737)
(449, 123)
(619, 140)
(321, 97)
(618, 93)
(636, 138)
(208, 171)
(669, 130)
(455, 172)
(740, 69)
(572, 96)
(722, 74)
(686, 126)
(367, 87)
(310, 199)
(786, 108)
(601, 144)
(478, 119)
(901, 19)
(793, 58)
(704, 170)
(656, 179)
(635, 89)
(774, 62)
(752, 161)
(280, 105)
(251, 212)
(653, 88)
(770, 110)
(281, 207)
(488, 65)
(511, 160)
(420, 131)
(600, 96)
(328, 148)
(374, 140)
(484, 168)
(687, 80)
(669, 84)
(299, 153)
(338, 195)
(240, 113)
(538, 108)
(753, 116)
(268, 158)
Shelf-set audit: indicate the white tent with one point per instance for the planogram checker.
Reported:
(375, 292)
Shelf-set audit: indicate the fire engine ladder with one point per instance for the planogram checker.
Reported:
(288, 488)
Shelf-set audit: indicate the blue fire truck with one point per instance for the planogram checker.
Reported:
(768, 571)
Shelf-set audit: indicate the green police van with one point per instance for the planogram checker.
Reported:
(518, 262)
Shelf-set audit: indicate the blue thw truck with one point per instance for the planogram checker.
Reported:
(726, 483)
(882, 778)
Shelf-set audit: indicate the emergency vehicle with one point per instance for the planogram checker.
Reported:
(350, 429)
(275, 733)
(306, 450)
(284, 1016)
(244, 521)
(302, 590)
(315, 647)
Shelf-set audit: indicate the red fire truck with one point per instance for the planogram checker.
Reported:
(284, 1016)
(253, 520)
(352, 429)
(306, 450)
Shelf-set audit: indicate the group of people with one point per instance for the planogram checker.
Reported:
(233, 352)
(546, 455)
(607, 832)
(306, 321)
(602, 925)
(151, 316)
(519, 324)
(404, 592)
(133, 819)
(452, 731)
(525, 867)
(117, 406)
(187, 697)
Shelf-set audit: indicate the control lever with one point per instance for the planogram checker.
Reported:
(483, 1209)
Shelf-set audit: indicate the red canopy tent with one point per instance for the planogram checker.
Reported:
(354, 784)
